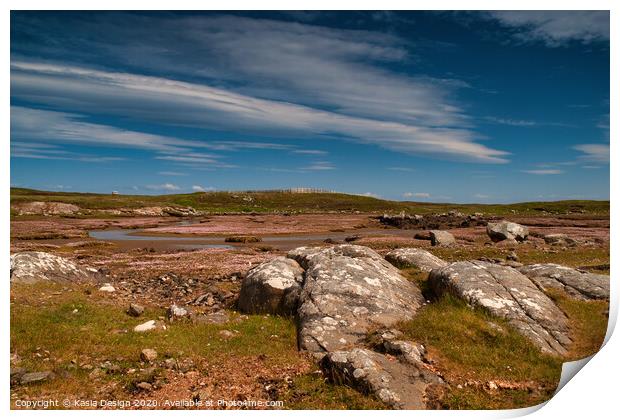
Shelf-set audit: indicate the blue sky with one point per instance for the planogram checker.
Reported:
(425, 106)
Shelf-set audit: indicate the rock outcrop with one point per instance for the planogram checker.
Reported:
(32, 267)
(508, 294)
(414, 257)
(380, 375)
(45, 208)
(442, 238)
(272, 287)
(502, 231)
(578, 284)
(559, 239)
(347, 291)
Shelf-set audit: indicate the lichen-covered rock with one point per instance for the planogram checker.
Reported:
(414, 257)
(559, 239)
(578, 284)
(508, 294)
(348, 290)
(32, 267)
(272, 287)
(303, 255)
(504, 230)
(397, 385)
(441, 238)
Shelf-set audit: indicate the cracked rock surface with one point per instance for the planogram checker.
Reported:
(414, 257)
(349, 290)
(578, 284)
(397, 385)
(505, 292)
(32, 267)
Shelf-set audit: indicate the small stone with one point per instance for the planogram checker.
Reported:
(148, 355)
(147, 326)
(95, 373)
(177, 312)
(218, 318)
(225, 334)
(33, 377)
(135, 309)
(144, 386)
(107, 287)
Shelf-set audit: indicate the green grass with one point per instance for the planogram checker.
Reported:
(44, 321)
(471, 345)
(588, 321)
(311, 391)
(269, 202)
(479, 343)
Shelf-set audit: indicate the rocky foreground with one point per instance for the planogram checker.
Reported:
(350, 307)
(348, 302)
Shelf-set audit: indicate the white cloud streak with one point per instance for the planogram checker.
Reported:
(174, 102)
(164, 187)
(557, 27)
(593, 152)
(543, 171)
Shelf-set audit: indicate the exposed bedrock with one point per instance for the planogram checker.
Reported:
(414, 258)
(32, 267)
(349, 290)
(506, 293)
(578, 284)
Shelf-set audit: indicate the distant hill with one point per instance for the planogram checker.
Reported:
(304, 202)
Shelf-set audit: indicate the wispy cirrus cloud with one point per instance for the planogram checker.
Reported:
(319, 166)
(30, 150)
(593, 152)
(172, 173)
(309, 152)
(38, 134)
(556, 27)
(510, 121)
(543, 171)
(174, 102)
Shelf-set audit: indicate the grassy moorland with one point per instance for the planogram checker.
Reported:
(271, 202)
(86, 339)
(475, 349)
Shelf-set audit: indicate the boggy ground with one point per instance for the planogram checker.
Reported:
(85, 336)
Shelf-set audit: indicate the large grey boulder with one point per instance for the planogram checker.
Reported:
(578, 284)
(414, 257)
(441, 238)
(303, 255)
(398, 385)
(508, 294)
(32, 267)
(504, 230)
(272, 287)
(349, 290)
